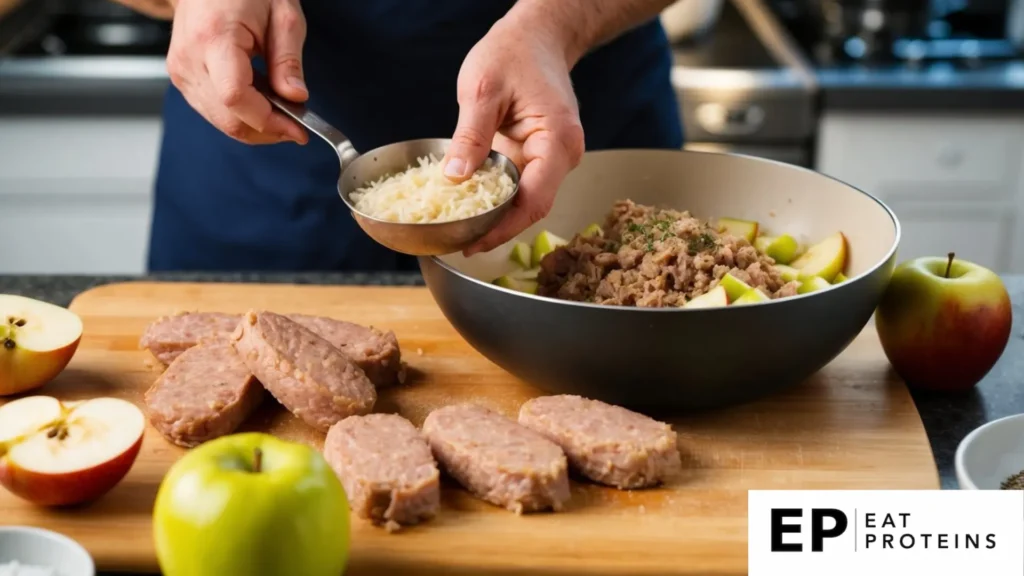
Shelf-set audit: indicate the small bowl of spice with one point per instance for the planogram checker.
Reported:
(992, 456)
(28, 551)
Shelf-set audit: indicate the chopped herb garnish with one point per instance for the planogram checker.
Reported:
(701, 243)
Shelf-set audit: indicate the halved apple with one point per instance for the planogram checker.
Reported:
(37, 340)
(782, 249)
(544, 244)
(592, 230)
(825, 259)
(752, 296)
(518, 284)
(713, 298)
(812, 284)
(57, 454)
(734, 287)
(740, 228)
(788, 273)
(521, 254)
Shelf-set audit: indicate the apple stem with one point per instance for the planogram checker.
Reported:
(257, 460)
(949, 264)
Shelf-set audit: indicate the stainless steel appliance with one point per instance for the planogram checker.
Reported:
(745, 89)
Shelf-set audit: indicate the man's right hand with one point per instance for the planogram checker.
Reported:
(210, 62)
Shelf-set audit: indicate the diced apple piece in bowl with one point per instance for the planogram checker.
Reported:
(739, 228)
(788, 272)
(752, 296)
(825, 259)
(713, 298)
(544, 244)
(783, 249)
(517, 284)
(592, 230)
(734, 287)
(521, 254)
(812, 284)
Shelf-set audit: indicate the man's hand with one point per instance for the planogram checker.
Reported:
(210, 62)
(515, 96)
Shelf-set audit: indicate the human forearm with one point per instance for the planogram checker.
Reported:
(580, 25)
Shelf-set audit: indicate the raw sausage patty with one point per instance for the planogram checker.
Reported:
(205, 393)
(307, 374)
(386, 467)
(167, 337)
(376, 352)
(497, 459)
(608, 444)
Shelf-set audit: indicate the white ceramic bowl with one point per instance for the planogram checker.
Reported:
(990, 454)
(45, 549)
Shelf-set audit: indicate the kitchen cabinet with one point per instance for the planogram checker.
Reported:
(954, 182)
(76, 193)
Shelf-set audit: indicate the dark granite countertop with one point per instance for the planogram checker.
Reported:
(947, 418)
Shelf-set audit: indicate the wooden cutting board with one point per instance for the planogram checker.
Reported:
(853, 426)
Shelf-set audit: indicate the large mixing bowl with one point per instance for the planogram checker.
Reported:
(678, 359)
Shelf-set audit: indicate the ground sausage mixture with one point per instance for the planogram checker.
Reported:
(654, 258)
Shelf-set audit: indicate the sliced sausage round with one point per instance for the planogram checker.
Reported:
(497, 459)
(376, 352)
(305, 373)
(169, 336)
(205, 393)
(608, 444)
(386, 467)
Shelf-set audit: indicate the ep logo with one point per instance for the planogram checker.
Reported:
(787, 528)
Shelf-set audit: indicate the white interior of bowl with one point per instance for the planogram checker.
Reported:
(44, 549)
(991, 454)
(781, 197)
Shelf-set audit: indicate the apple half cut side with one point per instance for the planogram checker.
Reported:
(59, 454)
(37, 341)
(740, 228)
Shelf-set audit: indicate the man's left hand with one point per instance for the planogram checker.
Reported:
(515, 97)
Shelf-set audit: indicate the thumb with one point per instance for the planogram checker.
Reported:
(285, 36)
(479, 119)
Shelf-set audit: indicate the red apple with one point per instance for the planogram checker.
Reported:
(943, 322)
(56, 454)
(37, 340)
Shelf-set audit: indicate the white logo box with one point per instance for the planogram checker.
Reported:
(897, 532)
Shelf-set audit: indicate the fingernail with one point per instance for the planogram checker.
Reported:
(296, 82)
(455, 167)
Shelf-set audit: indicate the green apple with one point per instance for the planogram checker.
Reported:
(826, 258)
(711, 299)
(734, 287)
(788, 273)
(528, 274)
(520, 254)
(248, 504)
(839, 278)
(593, 230)
(812, 284)
(751, 296)
(943, 322)
(782, 249)
(544, 244)
(518, 284)
(740, 228)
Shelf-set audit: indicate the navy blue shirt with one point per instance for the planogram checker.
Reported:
(382, 72)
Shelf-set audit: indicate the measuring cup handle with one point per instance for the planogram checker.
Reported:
(308, 118)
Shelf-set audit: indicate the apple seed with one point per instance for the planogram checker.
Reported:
(20, 322)
(9, 344)
(52, 432)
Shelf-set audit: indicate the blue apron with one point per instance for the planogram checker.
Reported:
(382, 72)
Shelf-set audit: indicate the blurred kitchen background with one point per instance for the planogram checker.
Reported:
(920, 102)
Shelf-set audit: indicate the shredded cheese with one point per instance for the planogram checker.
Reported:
(422, 194)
